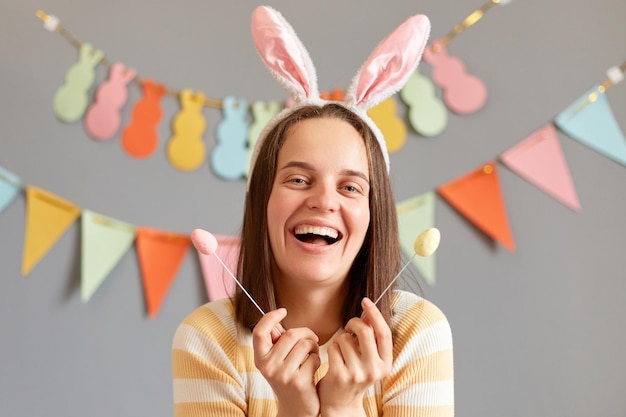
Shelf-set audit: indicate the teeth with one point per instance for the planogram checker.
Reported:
(315, 230)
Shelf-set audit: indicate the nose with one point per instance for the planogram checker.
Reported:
(323, 197)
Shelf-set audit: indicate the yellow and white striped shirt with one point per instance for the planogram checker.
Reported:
(214, 373)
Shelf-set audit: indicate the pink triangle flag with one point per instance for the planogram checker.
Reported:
(539, 160)
(218, 282)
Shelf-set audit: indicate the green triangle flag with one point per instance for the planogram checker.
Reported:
(414, 216)
(104, 242)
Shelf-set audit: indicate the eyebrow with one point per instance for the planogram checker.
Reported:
(309, 167)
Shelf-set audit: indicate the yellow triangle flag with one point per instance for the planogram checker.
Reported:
(47, 218)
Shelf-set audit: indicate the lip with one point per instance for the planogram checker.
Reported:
(314, 249)
(314, 223)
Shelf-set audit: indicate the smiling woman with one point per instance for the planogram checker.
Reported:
(318, 197)
(358, 191)
(319, 241)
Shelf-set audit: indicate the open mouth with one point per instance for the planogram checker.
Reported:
(317, 235)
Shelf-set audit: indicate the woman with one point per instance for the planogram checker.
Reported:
(319, 237)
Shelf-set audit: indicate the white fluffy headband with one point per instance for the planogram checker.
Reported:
(383, 74)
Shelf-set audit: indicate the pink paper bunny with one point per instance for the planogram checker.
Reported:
(103, 117)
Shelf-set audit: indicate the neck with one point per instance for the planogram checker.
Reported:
(319, 309)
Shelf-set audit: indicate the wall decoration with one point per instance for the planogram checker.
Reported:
(539, 159)
(103, 117)
(141, 137)
(427, 114)
(10, 186)
(414, 214)
(71, 99)
(476, 195)
(463, 94)
(231, 156)
(104, 241)
(185, 149)
(48, 216)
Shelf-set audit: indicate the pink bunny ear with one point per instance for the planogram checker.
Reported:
(121, 72)
(284, 54)
(390, 65)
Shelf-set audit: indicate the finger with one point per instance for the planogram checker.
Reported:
(292, 363)
(301, 350)
(349, 351)
(262, 338)
(277, 331)
(311, 364)
(365, 339)
(336, 363)
(290, 339)
(382, 332)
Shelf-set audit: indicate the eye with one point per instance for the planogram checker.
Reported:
(296, 180)
(354, 189)
(354, 186)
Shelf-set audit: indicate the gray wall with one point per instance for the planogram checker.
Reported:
(538, 332)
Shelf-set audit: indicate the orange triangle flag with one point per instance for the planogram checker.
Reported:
(478, 197)
(47, 217)
(160, 256)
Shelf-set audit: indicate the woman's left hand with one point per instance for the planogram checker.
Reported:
(356, 360)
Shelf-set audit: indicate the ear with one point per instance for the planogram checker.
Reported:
(284, 54)
(390, 65)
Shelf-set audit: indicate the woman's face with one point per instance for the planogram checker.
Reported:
(318, 210)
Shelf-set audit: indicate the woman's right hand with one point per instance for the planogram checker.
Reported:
(288, 363)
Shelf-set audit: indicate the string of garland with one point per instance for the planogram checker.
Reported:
(52, 23)
(234, 135)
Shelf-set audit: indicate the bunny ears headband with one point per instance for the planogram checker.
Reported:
(383, 74)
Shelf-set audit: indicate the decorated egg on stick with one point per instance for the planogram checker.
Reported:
(425, 245)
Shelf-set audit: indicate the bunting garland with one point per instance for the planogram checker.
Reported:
(463, 94)
(10, 186)
(48, 216)
(160, 255)
(416, 214)
(477, 195)
(539, 159)
(216, 280)
(103, 243)
(594, 125)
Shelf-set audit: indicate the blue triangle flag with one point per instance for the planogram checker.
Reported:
(590, 121)
(10, 186)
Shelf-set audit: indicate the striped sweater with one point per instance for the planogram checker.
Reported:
(214, 373)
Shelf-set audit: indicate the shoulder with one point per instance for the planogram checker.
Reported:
(207, 357)
(422, 376)
(213, 321)
(415, 317)
(410, 306)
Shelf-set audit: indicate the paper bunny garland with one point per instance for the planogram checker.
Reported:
(383, 74)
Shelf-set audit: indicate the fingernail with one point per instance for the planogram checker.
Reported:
(367, 302)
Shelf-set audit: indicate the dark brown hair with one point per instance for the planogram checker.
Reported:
(378, 259)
